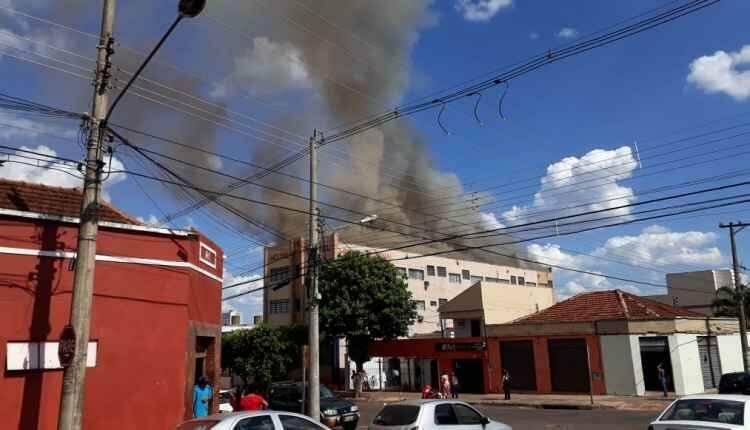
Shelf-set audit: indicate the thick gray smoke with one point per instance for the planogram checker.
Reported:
(332, 62)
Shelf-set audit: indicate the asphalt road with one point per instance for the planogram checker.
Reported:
(528, 418)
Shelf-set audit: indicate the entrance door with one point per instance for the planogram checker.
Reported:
(708, 351)
(517, 357)
(569, 365)
(470, 375)
(655, 350)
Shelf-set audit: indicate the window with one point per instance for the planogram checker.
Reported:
(433, 303)
(467, 415)
(531, 284)
(430, 270)
(460, 323)
(444, 415)
(397, 415)
(442, 301)
(289, 422)
(475, 279)
(419, 305)
(513, 280)
(503, 281)
(401, 271)
(492, 280)
(279, 274)
(255, 423)
(521, 280)
(280, 306)
(707, 410)
(441, 271)
(465, 274)
(416, 274)
(454, 278)
(549, 283)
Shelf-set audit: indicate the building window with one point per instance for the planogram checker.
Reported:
(503, 281)
(279, 275)
(475, 279)
(465, 274)
(416, 274)
(491, 280)
(280, 306)
(549, 283)
(419, 305)
(441, 302)
(433, 303)
(454, 278)
(513, 280)
(460, 323)
(531, 284)
(441, 271)
(430, 270)
(521, 280)
(401, 271)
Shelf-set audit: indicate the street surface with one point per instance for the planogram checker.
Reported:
(529, 418)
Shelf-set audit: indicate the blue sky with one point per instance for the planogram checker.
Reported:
(685, 78)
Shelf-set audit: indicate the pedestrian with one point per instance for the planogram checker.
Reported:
(202, 398)
(662, 377)
(445, 386)
(454, 386)
(252, 401)
(506, 383)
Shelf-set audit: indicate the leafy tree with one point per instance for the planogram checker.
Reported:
(263, 354)
(726, 301)
(363, 298)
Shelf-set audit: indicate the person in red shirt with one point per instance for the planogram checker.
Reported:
(252, 401)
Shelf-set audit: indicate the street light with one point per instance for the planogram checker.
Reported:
(191, 8)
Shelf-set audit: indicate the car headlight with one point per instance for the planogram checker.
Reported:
(354, 408)
(330, 412)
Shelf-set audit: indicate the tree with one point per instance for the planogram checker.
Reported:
(263, 354)
(363, 298)
(726, 301)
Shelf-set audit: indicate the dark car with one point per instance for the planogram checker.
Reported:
(734, 383)
(334, 411)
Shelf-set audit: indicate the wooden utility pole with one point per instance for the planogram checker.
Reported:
(734, 228)
(74, 376)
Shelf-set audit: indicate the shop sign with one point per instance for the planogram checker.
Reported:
(463, 347)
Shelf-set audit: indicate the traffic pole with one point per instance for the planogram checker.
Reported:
(74, 375)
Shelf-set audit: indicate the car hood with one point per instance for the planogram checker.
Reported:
(335, 403)
(693, 425)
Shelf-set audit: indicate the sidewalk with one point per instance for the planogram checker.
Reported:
(650, 402)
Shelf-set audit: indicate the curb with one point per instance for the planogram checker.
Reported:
(568, 406)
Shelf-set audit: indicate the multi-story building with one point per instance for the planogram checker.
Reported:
(231, 318)
(695, 290)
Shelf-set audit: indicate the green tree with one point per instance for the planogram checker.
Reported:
(726, 301)
(363, 298)
(263, 354)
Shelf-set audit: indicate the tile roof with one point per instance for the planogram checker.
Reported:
(48, 200)
(607, 305)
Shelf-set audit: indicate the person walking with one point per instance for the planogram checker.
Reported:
(662, 377)
(202, 398)
(454, 386)
(445, 386)
(506, 383)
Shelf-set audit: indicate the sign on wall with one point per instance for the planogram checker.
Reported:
(208, 255)
(470, 347)
(40, 356)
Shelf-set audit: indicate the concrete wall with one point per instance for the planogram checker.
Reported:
(686, 366)
(621, 358)
(730, 353)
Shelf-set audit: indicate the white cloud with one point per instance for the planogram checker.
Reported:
(533, 35)
(722, 73)
(13, 127)
(489, 221)
(43, 169)
(567, 33)
(591, 181)
(152, 220)
(481, 10)
(265, 68)
(551, 253)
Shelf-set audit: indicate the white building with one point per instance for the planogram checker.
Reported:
(695, 290)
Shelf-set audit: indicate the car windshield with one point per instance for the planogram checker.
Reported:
(325, 393)
(397, 415)
(198, 425)
(708, 410)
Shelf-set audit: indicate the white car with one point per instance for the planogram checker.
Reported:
(433, 415)
(709, 411)
(253, 420)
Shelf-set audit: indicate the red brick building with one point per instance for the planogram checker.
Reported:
(156, 315)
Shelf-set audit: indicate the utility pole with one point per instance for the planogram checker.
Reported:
(734, 228)
(74, 376)
(313, 294)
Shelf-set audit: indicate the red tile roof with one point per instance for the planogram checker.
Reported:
(47, 200)
(607, 305)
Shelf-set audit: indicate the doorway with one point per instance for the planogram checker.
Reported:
(470, 375)
(568, 360)
(517, 357)
(655, 350)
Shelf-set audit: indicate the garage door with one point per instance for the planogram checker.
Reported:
(518, 358)
(708, 351)
(569, 365)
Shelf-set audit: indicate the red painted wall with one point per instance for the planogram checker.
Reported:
(140, 319)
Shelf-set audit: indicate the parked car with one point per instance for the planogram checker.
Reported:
(433, 415)
(334, 411)
(716, 412)
(225, 404)
(253, 420)
(734, 383)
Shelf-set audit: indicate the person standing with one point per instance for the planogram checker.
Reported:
(202, 398)
(454, 386)
(506, 383)
(662, 378)
(445, 386)
(252, 401)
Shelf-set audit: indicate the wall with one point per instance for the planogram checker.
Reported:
(504, 304)
(622, 365)
(730, 353)
(686, 366)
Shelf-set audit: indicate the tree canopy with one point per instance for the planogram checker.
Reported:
(726, 300)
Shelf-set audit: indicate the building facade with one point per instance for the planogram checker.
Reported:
(695, 290)
(155, 321)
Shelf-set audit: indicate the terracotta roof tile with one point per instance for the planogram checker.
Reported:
(607, 305)
(48, 200)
